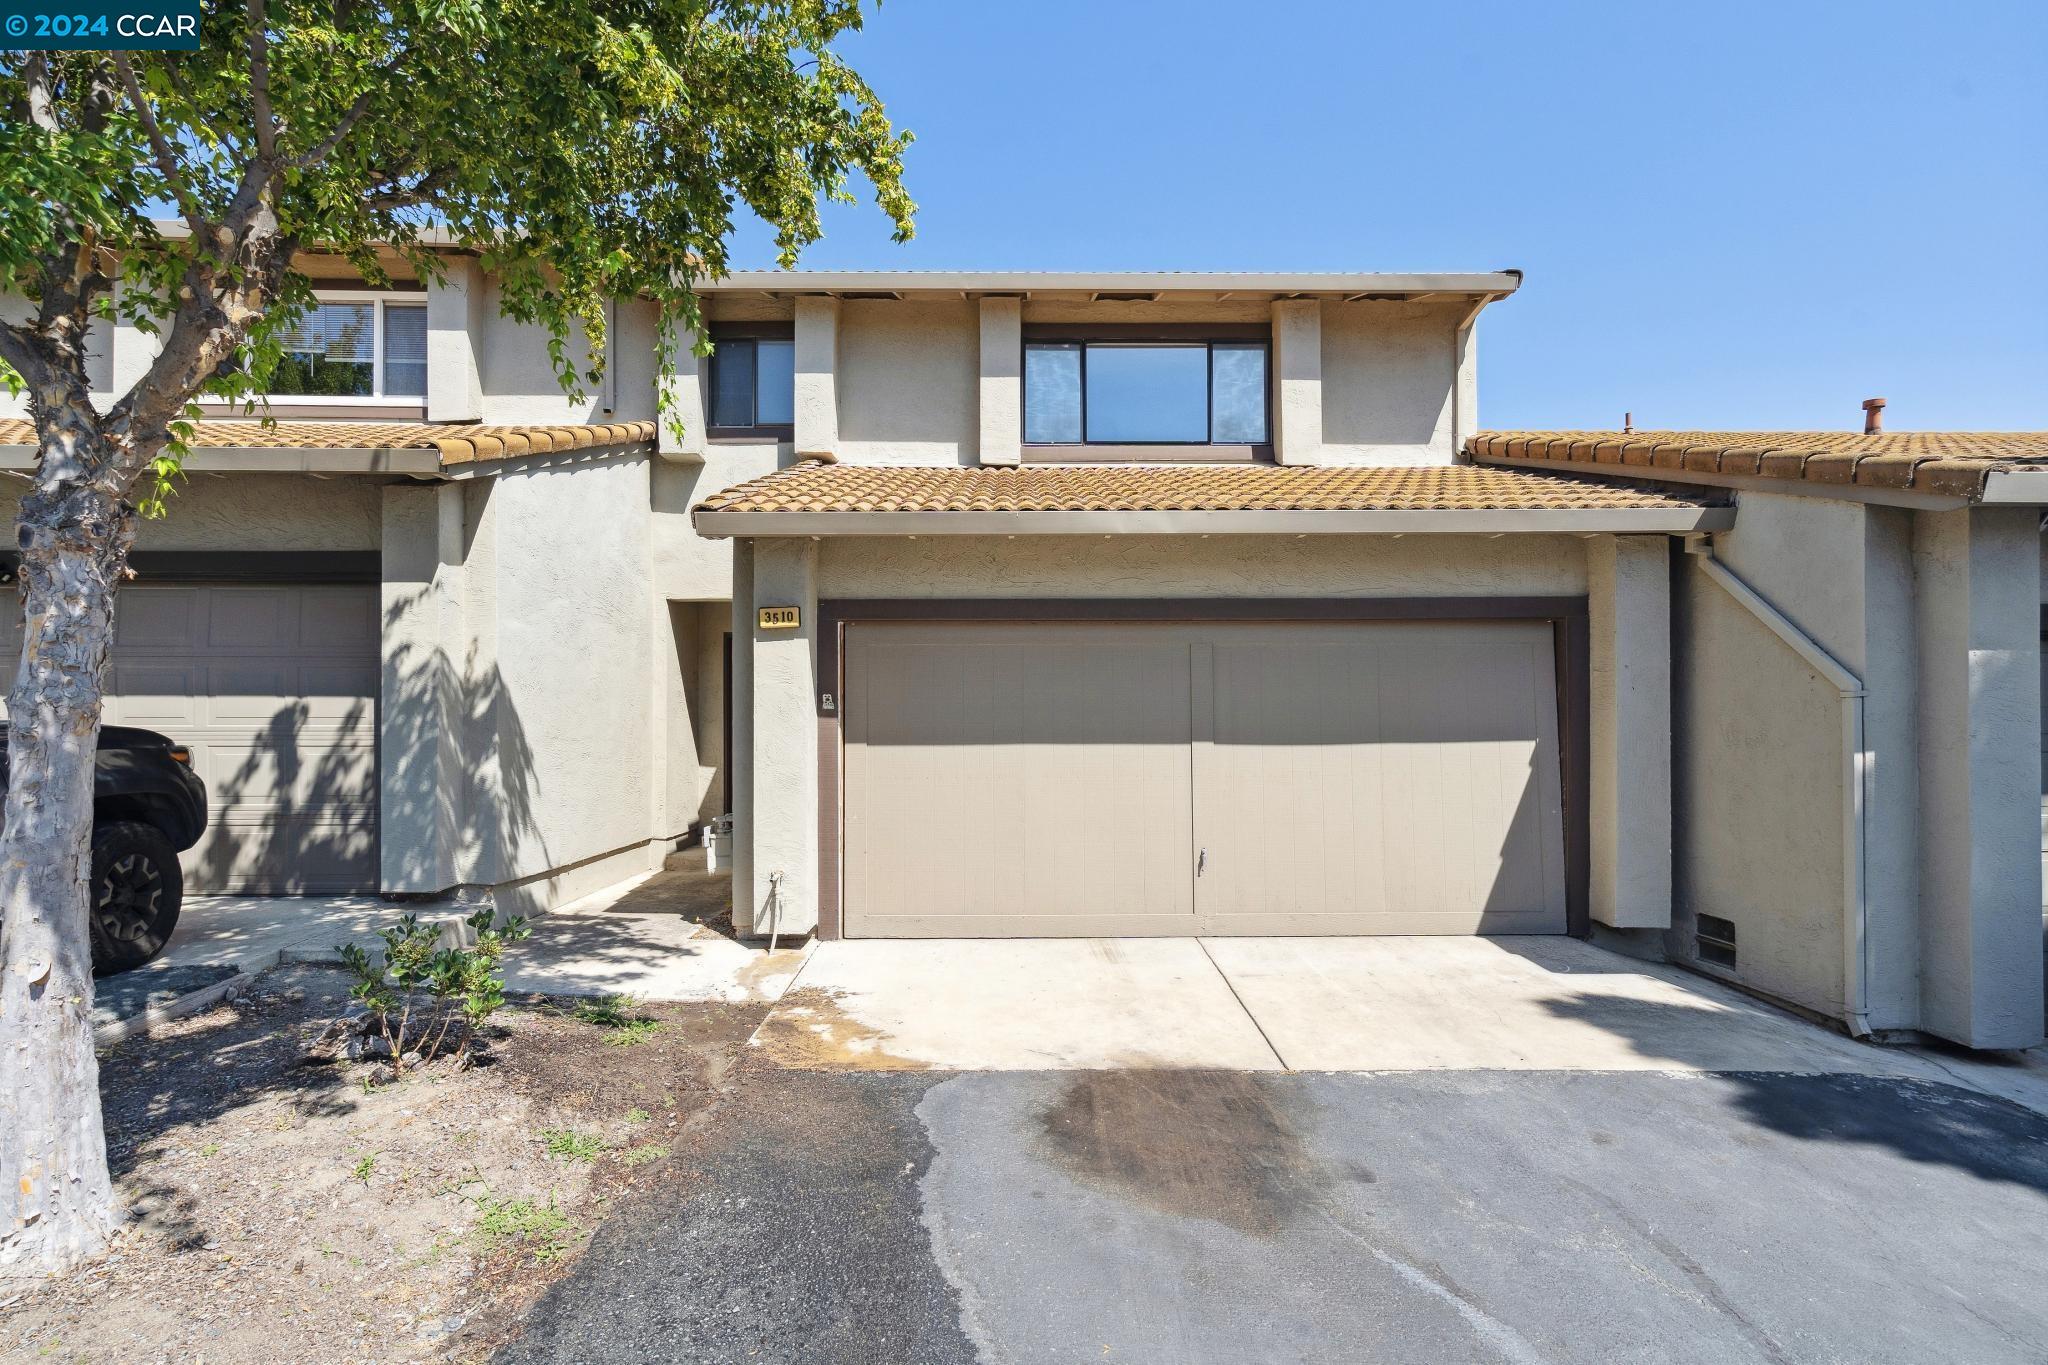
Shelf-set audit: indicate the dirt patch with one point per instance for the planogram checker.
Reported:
(1198, 1144)
(283, 1211)
(808, 1029)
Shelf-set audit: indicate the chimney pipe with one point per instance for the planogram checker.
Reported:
(1873, 416)
(1628, 421)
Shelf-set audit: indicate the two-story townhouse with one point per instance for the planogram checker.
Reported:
(412, 627)
(1195, 604)
(1105, 604)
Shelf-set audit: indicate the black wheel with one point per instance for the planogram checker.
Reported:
(136, 892)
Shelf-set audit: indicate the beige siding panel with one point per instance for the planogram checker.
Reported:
(274, 688)
(1008, 780)
(1385, 778)
(1016, 781)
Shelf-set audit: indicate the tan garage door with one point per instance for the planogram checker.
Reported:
(1343, 778)
(274, 687)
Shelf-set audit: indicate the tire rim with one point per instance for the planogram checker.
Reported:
(128, 898)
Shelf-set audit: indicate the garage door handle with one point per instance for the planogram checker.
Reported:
(1201, 861)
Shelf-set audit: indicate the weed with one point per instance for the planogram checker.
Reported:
(637, 1115)
(620, 1016)
(641, 1155)
(364, 1167)
(567, 1142)
(541, 1229)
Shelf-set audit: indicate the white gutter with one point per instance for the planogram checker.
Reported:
(1855, 777)
(1673, 520)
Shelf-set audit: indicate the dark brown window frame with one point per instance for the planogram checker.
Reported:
(1571, 640)
(745, 331)
(1207, 335)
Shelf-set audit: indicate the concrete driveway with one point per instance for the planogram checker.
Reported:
(1367, 1150)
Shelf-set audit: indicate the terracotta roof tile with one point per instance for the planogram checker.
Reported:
(1955, 463)
(457, 442)
(814, 487)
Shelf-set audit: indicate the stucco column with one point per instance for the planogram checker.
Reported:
(1002, 380)
(1298, 380)
(1629, 679)
(784, 745)
(419, 707)
(682, 392)
(741, 806)
(456, 325)
(1980, 774)
(817, 378)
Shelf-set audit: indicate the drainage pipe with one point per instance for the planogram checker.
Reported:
(1855, 776)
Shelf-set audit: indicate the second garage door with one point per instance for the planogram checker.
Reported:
(274, 688)
(1007, 780)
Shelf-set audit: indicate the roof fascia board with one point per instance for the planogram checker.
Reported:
(1749, 483)
(276, 460)
(1604, 520)
(1492, 283)
(2016, 487)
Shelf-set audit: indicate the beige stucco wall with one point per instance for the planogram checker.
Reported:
(1389, 374)
(519, 383)
(908, 380)
(687, 565)
(1948, 724)
(254, 512)
(527, 683)
(1215, 566)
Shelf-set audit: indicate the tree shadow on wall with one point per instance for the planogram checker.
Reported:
(460, 791)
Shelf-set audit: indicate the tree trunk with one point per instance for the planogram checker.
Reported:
(58, 1198)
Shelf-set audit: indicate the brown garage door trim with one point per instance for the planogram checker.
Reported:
(241, 566)
(1566, 615)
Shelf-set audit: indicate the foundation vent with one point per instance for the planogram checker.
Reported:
(1714, 941)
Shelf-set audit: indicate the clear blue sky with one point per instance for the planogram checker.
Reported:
(1730, 215)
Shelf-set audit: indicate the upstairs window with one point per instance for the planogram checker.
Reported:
(1141, 392)
(752, 384)
(355, 347)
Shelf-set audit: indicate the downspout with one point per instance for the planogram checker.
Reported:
(1855, 776)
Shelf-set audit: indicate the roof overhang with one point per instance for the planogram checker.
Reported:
(278, 460)
(1425, 286)
(1677, 520)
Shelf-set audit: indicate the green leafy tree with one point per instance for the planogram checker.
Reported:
(586, 149)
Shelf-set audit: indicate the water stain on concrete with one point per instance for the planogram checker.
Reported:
(762, 977)
(1197, 1144)
(807, 1029)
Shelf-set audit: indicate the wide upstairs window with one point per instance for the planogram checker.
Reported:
(752, 383)
(355, 347)
(1141, 392)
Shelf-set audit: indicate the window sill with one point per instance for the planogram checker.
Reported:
(749, 435)
(1148, 454)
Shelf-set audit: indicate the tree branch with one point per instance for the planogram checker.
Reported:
(166, 157)
(19, 349)
(42, 100)
(333, 139)
(259, 83)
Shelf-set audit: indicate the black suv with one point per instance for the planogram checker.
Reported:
(147, 807)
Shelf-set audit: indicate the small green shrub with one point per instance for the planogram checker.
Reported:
(637, 1115)
(418, 990)
(570, 1144)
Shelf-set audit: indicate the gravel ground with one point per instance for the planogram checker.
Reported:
(282, 1211)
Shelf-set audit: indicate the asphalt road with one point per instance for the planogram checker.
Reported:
(901, 1218)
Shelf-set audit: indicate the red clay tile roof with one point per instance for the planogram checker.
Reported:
(815, 487)
(1954, 463)
(457, 442)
